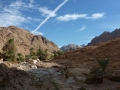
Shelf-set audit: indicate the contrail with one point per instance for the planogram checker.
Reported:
(56, 9)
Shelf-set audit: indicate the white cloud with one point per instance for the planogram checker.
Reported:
(16, 4)
(69, 17)
(6, 19)
(11, 11)
(12, 14)
(82, 28)
(47, 12)
(96, 16)
(19, 4)
(31, 5)
(56, 9)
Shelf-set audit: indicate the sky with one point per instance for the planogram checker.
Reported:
(62, 21)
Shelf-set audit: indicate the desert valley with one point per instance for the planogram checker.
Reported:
(32, 62)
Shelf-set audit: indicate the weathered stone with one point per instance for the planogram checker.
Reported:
(80, 78)
(70, 80)
(79, 73)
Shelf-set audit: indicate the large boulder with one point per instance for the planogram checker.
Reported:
(79, 74)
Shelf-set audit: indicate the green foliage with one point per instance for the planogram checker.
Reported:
(55, 54)
(42, 54)
(98, 72)
(20, 57)
(103, 63)
(46, 53)
(32, 52)
(59, 52)
(9, 50)
(27, 57)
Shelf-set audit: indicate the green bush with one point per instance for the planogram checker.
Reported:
(9, 50)
(103, 63)
(27, 57)
(59, 52)
(42, 54)
(20, 57)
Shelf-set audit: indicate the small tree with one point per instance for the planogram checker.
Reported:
(9, 50)
(42, 54)
(98, 72)
(103, 63)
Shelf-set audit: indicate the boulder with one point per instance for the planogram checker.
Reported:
(79, 74)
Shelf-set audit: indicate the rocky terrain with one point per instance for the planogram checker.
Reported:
(105, 36)
(70, 47)
(24, 40)
(38, 75)
(87, 56)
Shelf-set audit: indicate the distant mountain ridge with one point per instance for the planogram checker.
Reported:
(70, 47)
(105, 36)
(24, 40)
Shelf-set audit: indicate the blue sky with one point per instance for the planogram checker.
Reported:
(62, 21)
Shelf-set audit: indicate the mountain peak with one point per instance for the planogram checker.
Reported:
(105, 36)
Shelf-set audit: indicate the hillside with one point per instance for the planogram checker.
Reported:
(105, 36)
(24, 40)
(70, 47)
(86, 57)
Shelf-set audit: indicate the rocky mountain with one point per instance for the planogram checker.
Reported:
(70, 47)
(24, 40)
(105, 36)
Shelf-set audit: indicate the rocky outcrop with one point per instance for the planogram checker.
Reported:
(70, 47)
(24, 40)
(105, 36)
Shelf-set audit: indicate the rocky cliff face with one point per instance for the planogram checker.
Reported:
(105, 36)
(24, 40)
(70, 47)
